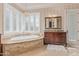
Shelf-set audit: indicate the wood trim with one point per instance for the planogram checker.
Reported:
(57, 38)
(1, 47)
(57, 20)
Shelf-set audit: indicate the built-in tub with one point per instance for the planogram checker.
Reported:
(21, 38)
(20, 44)
(26, 37)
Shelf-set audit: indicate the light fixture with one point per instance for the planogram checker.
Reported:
(55, 15)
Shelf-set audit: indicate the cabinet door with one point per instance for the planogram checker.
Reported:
(0, 43)
(0, 48)
(61, 38)
(52, 37)
(48, 37)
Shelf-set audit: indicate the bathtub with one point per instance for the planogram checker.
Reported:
(20, 44)
(26, 37)
(21, 38)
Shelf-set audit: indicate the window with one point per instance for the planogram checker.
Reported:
(33, 22)
(16, 21)
(26, 23)
(37, 22)
(8, 17)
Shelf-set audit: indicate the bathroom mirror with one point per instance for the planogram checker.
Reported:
(53, 22)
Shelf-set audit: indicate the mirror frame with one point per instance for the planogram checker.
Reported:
(59, 22)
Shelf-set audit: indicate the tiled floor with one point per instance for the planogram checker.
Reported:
(56, 51)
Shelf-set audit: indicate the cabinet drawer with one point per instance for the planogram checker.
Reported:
(0, 48)
(62, 35)
(55, 37)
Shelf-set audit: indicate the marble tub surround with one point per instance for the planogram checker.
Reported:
(19, 48)
(16, 47)
(9, 35)
(6, 39)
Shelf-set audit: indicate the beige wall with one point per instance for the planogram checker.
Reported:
(1, 18)
(60, 11)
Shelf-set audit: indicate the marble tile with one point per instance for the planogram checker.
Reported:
(19, 48)
(43, 51)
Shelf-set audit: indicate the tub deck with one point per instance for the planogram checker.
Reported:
(21, 47)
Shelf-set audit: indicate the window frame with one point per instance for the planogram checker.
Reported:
(20, 18)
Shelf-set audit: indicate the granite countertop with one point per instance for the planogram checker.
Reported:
(50, 30)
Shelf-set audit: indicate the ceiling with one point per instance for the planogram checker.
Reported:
(40, 5)
(30, 6)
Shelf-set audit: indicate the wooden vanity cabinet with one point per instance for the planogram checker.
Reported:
(58, 38)
(1, 47)
(0, 43)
